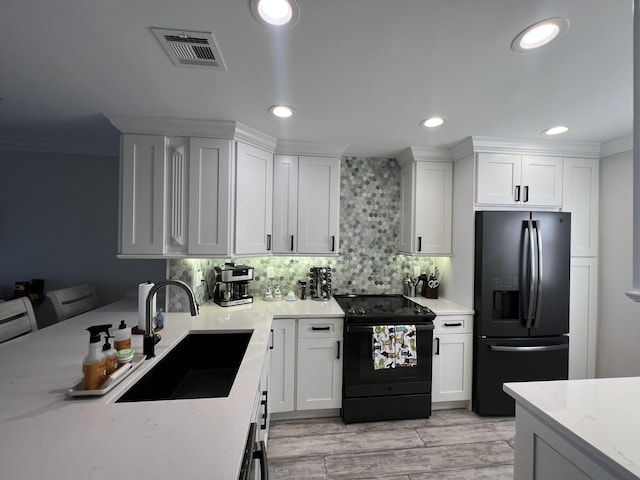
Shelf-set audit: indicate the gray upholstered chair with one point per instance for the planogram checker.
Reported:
(72, 301)
(16, 318)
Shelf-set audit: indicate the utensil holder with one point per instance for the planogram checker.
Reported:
(430, 292)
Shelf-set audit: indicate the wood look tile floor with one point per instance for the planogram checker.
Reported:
(451, 444)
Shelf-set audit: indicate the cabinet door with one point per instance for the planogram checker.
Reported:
(583, 317)
(142, 167)
(283, 360)
(407, 239)
(580, 197)
(285, 203)
(433, 207)
(210, 190)
(497, 176)
(541, 181)
(319, 379)
(452, 367)
(254, 200)
(318, 205)
(177, 196)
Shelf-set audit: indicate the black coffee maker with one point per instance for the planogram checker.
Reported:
(232, 285)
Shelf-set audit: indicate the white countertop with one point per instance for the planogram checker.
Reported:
(442, 306)
(45, 434)
(598, 415)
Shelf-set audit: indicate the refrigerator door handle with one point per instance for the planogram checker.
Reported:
(534, 348)
(536, 320)
(532, 275)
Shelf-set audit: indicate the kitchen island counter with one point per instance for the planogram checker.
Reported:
(46, 434)
(577, 429)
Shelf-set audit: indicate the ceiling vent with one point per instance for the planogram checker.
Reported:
(190, 48)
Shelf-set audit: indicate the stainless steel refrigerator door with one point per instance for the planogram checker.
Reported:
(497, 361)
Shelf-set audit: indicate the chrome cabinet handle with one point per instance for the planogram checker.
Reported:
(268, 241)
(419, 244)
(333, 243)
(437, 346)
(292, 243)
(338, 356)
(458, 324)
(315, 329)
(517, 195)
(526, 193)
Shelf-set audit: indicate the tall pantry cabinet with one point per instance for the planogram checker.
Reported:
(563, 176)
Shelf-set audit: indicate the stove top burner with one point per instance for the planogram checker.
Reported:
(367, 306)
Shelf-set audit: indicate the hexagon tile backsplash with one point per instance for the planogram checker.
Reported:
(369, 228)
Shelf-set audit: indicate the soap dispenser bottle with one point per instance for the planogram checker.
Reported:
(111, 356)
(94, 364)
(122, 337)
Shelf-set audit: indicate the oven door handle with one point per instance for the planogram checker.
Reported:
(420, 327)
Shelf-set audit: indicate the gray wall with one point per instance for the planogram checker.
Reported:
(59, 222)
(618, 354)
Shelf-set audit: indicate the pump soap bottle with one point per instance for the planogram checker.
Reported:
(94, 364)
(111, 356)
(122, 337)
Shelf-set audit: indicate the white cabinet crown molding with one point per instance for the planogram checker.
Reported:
(315, 149)
(424, 154)
(617, 145)
(191, 127)
(477, 144)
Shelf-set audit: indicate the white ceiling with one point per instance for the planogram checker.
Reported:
(360, 72)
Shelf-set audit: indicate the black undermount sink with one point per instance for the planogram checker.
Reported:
(202, 365)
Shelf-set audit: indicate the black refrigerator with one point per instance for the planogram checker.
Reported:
(521, 301)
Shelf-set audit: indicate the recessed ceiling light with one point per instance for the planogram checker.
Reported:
(278, 13)
(282, 111)
(555, 130)
(539, 34)
(432, 122)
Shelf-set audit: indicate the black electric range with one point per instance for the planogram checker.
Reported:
(388, 342)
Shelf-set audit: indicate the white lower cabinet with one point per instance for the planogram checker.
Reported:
(306, 367)
(452, 358)
(583, 317)
(283, 363)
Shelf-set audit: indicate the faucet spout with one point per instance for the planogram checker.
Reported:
(150, 337)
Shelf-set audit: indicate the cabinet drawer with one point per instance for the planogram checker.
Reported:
(320, 328)
(453, 324)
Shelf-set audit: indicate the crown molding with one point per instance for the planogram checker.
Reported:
(617, 145)
(424, 154)
(505, 145)
(47, 145)
(189, 127)
(293, 147)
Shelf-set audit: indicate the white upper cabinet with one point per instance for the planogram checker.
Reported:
(194, 188)
(285, 204)
(519, 180)
(254, 191)
(306, 203)
(425, 203)
(210, 189)
(580, 197)
(142, 217)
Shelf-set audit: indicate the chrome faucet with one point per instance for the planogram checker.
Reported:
(150, 337)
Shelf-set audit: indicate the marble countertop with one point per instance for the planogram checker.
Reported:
(442, 306)
(47, 434)
(598, 415)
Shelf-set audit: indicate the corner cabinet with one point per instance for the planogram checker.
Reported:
(425, 203)
(519, 180)
(306, 205)
(253, 193)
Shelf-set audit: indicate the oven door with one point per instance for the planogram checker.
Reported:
(361, 379)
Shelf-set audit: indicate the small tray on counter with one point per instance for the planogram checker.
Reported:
(77, 390)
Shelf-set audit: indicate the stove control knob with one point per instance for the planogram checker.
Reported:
(417, 310)
(361, 310)
(351, 311)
